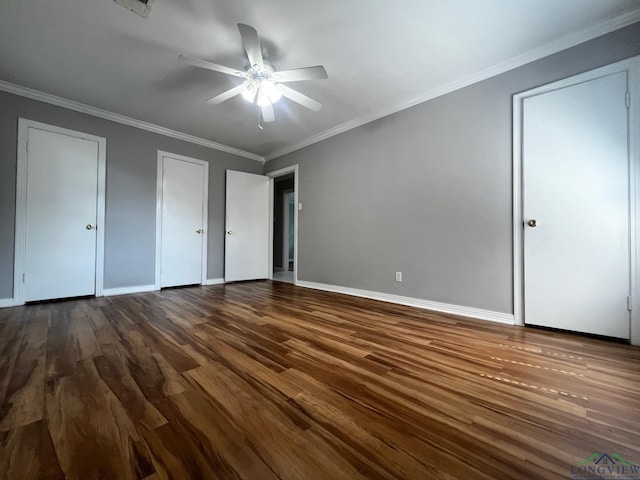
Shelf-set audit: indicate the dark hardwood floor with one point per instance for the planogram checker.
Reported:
(264, 380)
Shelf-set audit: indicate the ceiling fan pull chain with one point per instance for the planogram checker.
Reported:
(260, 119)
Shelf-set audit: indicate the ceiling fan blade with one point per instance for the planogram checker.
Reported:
(251, 44)
(267, 113)
(196, 62)
(297, 74)
(298, 97)
(225, 95)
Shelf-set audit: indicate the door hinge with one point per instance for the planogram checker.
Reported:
(27, 147)
(627, 99)
(630, 303)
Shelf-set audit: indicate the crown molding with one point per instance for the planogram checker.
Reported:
(556, 46)
(116, 117)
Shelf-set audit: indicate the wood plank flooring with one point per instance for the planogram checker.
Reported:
(265, 380)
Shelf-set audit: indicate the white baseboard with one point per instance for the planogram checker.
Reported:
(107, 292)
(478, 313)
(8, 302)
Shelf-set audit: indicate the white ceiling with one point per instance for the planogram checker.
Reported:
(381, 55)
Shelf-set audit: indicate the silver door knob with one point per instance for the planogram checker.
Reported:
(532, 223)
(89, 227)
(199, 230)
(229, 232)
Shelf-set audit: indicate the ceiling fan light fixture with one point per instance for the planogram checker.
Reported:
(249, 90)
(263, 100)
(270, 90)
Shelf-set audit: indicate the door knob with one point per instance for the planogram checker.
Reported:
(199, 230)
(229, 232)
(89, 226)
(532, 223)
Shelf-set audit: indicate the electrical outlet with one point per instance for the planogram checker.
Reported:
(398, 276)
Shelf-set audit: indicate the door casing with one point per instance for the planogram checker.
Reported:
(632, 67)
(24, 125)
(275, 174)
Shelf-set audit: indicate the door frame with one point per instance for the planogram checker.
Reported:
(21, 203)
(205, 213)
(296, 192)
(632, 67)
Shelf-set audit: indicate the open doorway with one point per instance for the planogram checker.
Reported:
(284, 228)
(284, 225)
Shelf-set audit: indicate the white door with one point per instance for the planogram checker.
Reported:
(182, 221)
(576, 207)
(246, 252)
(61, 216)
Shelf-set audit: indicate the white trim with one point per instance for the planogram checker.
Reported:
(556, 46)
(214, 281)
(632, 67)
(476, 313)
(296, 194)
(109, 292)
(20, 246)
(158, 259)
(116, 117)
(101, 214)
(205, 213)
(21, 203)
(634, 152)
(518, 222)
(271, 231)
(8, 302)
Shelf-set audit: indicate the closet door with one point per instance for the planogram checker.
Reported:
(576, 207)
(183, 219)
(61, 214)
(246, 252)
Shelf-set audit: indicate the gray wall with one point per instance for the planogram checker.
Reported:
(427, 191)
(130, 192)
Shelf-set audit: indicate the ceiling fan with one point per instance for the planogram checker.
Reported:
(262, 84)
